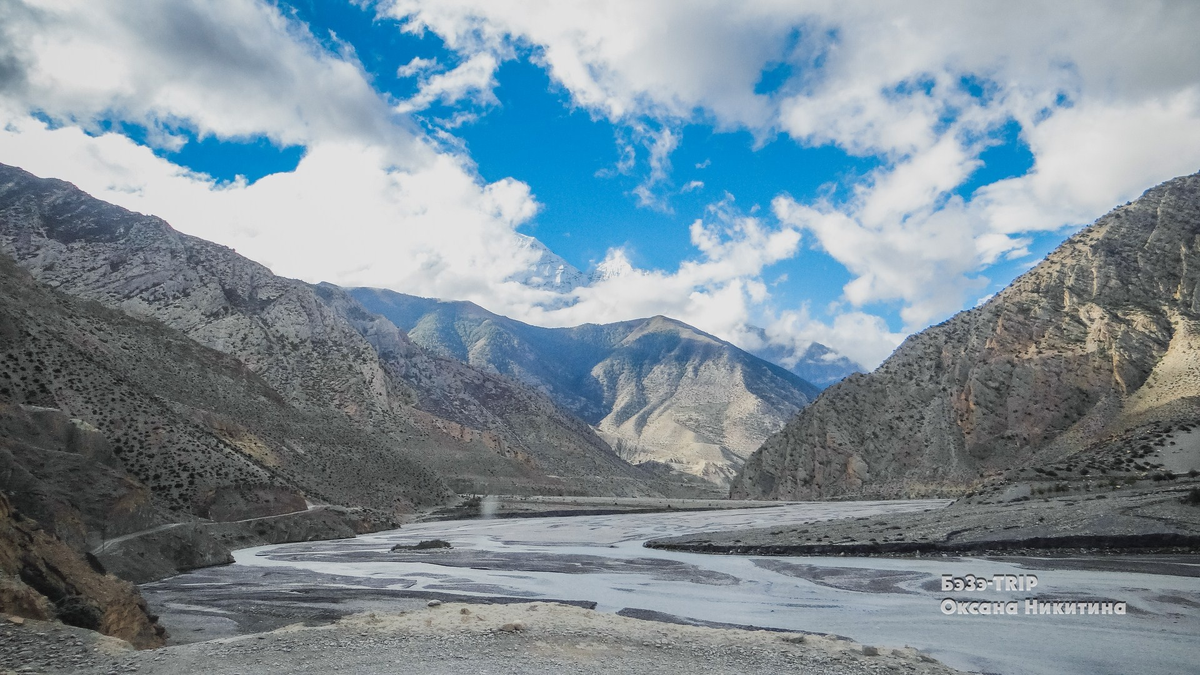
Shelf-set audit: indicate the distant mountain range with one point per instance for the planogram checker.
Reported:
(1084, 361)
(656, 389)
(816, 363)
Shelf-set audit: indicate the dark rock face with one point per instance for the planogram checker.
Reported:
(43, 578)
(362, 415)
(657, 389)
(1102, 336)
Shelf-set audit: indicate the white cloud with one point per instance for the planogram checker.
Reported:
(864, 338)
(1105, 95)
(473, 79)
(230, 69)
(373, 201)
(661, 144)
(720, 292)
(343, 215)
(417, 66)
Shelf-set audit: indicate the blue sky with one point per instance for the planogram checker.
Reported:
(569, 157)
(845, 174)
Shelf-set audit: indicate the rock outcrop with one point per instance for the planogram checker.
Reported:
(1097, 341)
(43, 578)
(656, 389)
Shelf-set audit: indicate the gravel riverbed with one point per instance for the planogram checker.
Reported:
(464, 638)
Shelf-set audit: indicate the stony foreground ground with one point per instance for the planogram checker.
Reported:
(463, 638)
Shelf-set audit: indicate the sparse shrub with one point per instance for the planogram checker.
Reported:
(423, 545)
(1192, 498)
(433, 543)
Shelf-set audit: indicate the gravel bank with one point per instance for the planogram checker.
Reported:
(1140, 519)
(465, 638)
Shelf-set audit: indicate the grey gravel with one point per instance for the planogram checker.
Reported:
(444, 639)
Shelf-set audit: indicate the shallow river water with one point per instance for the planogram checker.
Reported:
(881, 601)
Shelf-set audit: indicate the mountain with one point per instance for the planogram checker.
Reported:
(816, 363)
(657, 389)
(406, 424)
(1091, 355)
(194, 427)
(549, 272)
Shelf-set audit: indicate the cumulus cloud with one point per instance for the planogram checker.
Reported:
(373, 201)
(864, 338)
(228, 69)
(719, 291)
(342, 215)
(1107, 101)
(1105, 97)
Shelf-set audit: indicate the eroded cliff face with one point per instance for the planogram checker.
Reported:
(43, 578)
(61, 491)
(1098, 338)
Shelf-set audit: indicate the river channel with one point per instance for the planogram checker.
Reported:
(890, 602)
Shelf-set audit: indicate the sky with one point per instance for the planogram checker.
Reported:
(841, 172)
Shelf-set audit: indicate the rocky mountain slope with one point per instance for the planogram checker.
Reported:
(657, 389)
(315, 352)
(1090, 356)
(166, 426)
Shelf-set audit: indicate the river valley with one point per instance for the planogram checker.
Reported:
(888, 602)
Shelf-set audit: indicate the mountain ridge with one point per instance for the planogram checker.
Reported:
(657, 388)
(315, 346)
(1095, 341)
